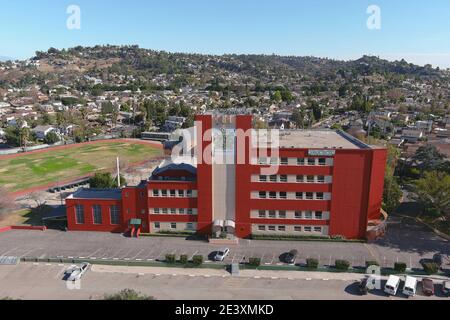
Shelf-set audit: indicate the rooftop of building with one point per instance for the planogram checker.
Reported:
(106, 194)
(319, 139)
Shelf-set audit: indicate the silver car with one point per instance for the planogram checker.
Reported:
(221, 254)
(78, 271)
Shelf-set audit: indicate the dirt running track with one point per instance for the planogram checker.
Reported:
(70, 146)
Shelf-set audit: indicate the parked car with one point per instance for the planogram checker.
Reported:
(392, 285)
(221, 254)
(428, 287)
(78, 271)
(410, 287)
(291, 256)
(446, 288)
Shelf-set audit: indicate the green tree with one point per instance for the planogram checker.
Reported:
(104, 180)
(277, 96)
(51, 138)
(298, 116)
(128, 294)
(428, 158)
(433, 193)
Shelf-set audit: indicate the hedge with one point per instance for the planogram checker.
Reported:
(276, 237)
(400, 267)
(255, 262)
(184, 259)
(197, 260)
(430, 267)
(312, 263)
(170, 258)
(342, 264)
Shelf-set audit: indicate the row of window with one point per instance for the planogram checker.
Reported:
(97, 218)
(299, 178)
(306, 229)
(298, 195)
(173, 211)
(298, 161)
(173, 193)
(281, 214)
(174, 225)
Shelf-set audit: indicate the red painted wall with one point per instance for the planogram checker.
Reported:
(377, 183)
(204, 177)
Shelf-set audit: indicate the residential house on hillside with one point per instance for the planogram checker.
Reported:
(42, 131)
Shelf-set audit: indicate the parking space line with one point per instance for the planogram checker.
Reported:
(193, 255)
(137, 255)
(95, 252)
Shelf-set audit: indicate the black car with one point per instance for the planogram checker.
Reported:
(291, 256)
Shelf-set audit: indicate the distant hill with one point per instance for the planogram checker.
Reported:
(5, 58)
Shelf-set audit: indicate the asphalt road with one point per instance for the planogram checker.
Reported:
(404, 242)
(45, 281)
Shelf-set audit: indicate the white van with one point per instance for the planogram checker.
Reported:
(392, 285)
(410, 287)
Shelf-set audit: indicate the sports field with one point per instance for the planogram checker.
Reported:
(27, 171)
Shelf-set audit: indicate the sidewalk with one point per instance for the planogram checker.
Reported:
(256, 274)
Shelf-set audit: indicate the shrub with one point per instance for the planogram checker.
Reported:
(430, 267)
(170, 258)
(312, 263)
(400, 266)
(338, 237)
(372, 263)
(255, 262)
(183, 259)
(197, 260)
(342, 264)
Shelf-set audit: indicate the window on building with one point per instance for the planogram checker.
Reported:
(319, 195)
(311, 162)
(299, 195)
(272, 195)
(190, 211)
(300, 179)
(310, 179)
(262, 195)
(173, 225)
(165, 211)
(79, 214)
(298, 214)
(181, 193)
(308, 215)
(284, 161)
(181, 211)
(115, 214)
(262, 178)
(97, 214)
(319, 215)
(272, 228)
(262, 161)
(164, 193)
(317, 229)
(283, 178)
(156, 211)
(273, 161)
(281, 228)
(189, 226)
(307, 229)
(272, 214)
(282, 214)
(298, 229)
(322, 161)
(283, 195)
(173, 211)
(157, 225)
(309, 196)
(273, 178)
(261, 228)
(262, 214)
(300, 161)
(320, 179)
(172, 193)
(156, 193)
(189, 193)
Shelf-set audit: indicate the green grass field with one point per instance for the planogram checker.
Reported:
(34, 170)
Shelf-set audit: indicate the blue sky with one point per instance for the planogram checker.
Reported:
(417, 30)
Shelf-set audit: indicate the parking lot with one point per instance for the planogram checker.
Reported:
(46, 281)
(405, 243)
